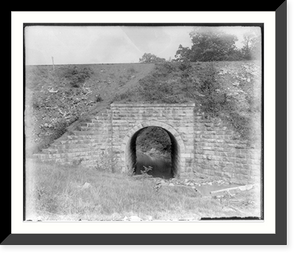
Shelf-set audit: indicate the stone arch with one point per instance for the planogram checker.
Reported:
(178, 149)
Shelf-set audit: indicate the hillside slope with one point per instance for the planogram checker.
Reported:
(60, 100)
(56, 98)
(229, 90)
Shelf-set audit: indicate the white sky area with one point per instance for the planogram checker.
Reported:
(108, 44)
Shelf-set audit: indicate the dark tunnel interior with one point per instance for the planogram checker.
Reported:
(156, 166)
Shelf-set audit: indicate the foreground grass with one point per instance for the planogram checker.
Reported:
(76, 193)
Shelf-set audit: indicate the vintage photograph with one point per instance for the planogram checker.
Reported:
(138, 122)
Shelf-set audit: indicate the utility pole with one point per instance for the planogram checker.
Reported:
(52, 63)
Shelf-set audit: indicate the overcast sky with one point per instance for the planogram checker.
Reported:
(107, 44)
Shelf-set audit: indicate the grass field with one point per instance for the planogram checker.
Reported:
(75, 193)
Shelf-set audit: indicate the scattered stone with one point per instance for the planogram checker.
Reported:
(246, 187)
(149, 218)
(86, 185)
(195, 189)
(163, 182)
(135, 218)
(219, 196)
(223, 71)
(227, 190)
(157, 186)
(52, 90)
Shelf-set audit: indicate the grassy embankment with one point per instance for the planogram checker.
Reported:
(55, 99)
(229, 90)
(76, 193)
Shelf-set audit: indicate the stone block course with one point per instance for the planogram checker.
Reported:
(205, 145)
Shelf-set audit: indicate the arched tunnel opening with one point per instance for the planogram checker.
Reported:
(155, 151)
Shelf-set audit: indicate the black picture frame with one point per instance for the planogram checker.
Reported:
(279, 238)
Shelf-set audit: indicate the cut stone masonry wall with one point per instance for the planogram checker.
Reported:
(203, 146)
(219, 150)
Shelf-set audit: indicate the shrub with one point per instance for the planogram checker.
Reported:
(156, 91)
(127, 96)
(37, 102)
(77, 76)
(98, 98)
(185, 65)
(168, 66)
(60, 127)
(164, 69)
(131, 70)
(240, 123)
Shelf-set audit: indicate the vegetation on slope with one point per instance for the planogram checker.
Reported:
(213, 73)
(229, 90)
(57, 98)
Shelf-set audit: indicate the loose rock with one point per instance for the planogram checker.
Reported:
(86, 185)
(135, 218)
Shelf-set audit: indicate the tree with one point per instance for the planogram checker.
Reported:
(209, 44)
(252, 46)
(150, 58)
(246, 48)
(182, 54)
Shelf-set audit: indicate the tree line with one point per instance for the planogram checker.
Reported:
(214, 45)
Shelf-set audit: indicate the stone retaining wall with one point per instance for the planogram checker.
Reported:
(219, 150)
(201, 146)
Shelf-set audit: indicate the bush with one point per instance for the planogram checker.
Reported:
(156, 92)
(240, 124)
(185, 65)
(77, 76)
(60, 127)
(131, 71)
(127, 96)
(37, 102)
(164, 69)
(167, 66)
(98, 98)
